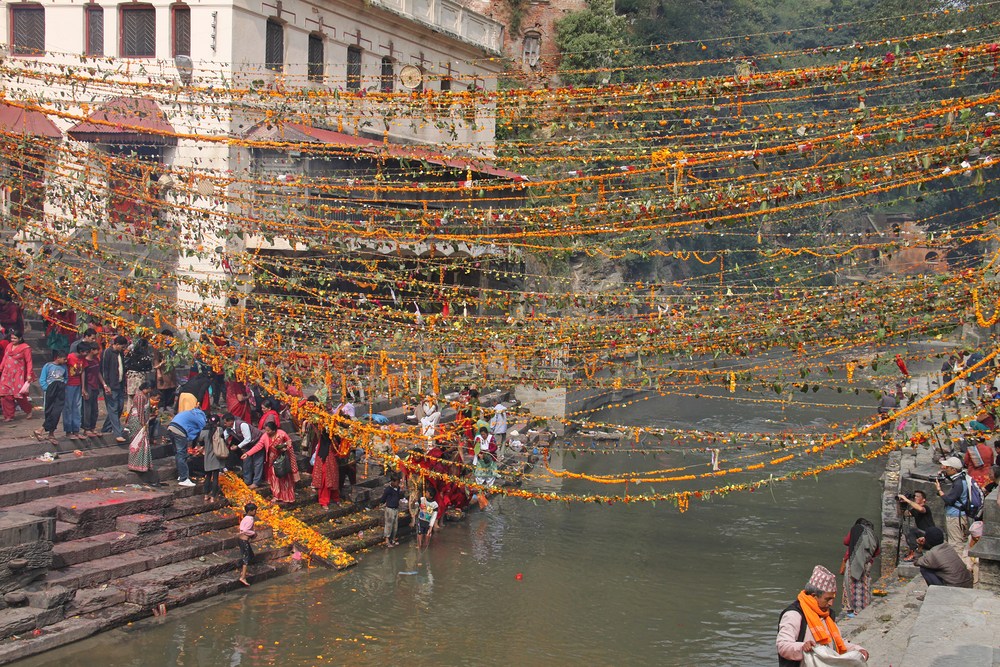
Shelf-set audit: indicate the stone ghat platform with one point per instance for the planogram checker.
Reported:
(87, 545)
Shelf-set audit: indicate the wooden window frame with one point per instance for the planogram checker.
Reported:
(311, 65)
(89, 11)
(124, 9)
(279, 66)
(174, 10)
(13, 10)
(354, 78)
(387, 77)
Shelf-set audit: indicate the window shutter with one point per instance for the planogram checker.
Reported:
(182, 31)
(274, 46)
(95, 30)
(353, 68)
(316, 57)
(28, 31)
(138, 32)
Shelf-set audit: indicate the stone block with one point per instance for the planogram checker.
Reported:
(89, 600)
(147, 596)
(59, 634)
(17, 528)
(139, 524)
(16, 621)
(82, 550)
(105, 504)
(35, 560)
(49, 598)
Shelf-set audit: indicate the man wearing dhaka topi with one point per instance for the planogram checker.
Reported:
(807, 627)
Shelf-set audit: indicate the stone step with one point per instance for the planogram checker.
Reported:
(59, 634)
(101, 545)
(31, 469)
(78, 482)
(18, 620)
(350, 525)
(152, 587)
(194, 504)
(315, 514)
(224, 582)
(98, 505)
(145, 558)
(27, 447)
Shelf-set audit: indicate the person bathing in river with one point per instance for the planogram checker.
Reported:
(809, 622)
(427, 516)
(246, 534)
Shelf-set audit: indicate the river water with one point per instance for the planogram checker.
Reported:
(547, 584)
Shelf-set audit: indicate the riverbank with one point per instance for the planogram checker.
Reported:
(913, 624)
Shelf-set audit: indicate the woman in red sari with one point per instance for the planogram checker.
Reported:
(325, 474)
(276, 442)
(237, 400)
(16, 372)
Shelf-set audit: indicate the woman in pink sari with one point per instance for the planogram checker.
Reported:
(276, 442)
(16, 373)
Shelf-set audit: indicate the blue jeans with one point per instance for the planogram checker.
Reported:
(73, 409)
(253, 469)
(181, 455)
(114, 401)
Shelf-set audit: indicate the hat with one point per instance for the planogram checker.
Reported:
(513, 434)
(499, 407)
(933, 537)
(823, 580)
(952, 462)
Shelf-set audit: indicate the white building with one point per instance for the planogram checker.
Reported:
(143, 94)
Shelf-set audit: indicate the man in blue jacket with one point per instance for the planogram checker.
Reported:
(184, 429)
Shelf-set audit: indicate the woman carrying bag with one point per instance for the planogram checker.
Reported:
(281, 470)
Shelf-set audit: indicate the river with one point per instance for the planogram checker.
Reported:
(546, 584)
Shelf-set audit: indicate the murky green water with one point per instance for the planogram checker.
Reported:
(620, 585)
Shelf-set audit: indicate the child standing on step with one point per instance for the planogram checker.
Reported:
(247, 533)
(53, 384)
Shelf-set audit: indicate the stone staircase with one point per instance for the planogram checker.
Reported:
(107, 548)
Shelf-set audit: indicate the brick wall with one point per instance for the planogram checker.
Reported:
(538, 17)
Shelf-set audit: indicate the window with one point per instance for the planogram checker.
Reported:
(138, 31)
(354, 68)
(27, 30)
(93, 17)
(315, 57)
(531, 52)
(388, 78)
(182, 30)
(274, 46)
(444, 100)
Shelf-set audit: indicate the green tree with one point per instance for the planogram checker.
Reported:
(596, 45)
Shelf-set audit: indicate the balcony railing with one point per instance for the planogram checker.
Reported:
(451, 17)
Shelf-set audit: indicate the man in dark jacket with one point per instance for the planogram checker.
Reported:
(941, 565)
(113, 371)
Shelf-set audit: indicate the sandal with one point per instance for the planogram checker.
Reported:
(39, 434)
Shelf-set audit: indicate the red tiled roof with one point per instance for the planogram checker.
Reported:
(298, 133)
(126, 120)
(15, 120)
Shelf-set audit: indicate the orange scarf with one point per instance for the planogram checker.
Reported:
(822, 627)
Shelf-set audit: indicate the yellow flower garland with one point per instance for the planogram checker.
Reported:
(287, 529)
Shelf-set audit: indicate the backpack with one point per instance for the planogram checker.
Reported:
(972, 506)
